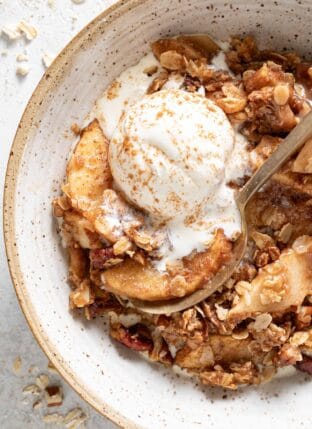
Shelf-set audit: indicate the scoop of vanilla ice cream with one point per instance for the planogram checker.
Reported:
(169, 152)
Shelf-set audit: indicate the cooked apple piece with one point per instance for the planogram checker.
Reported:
(133, 280)
(279, 286)
(198, 358)
(217, 349)
(303, 162)
(80, 230)
(88, 172)
(227, 349)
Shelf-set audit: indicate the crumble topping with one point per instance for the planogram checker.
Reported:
(260, 319)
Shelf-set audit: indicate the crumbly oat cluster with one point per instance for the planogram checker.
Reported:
(260, 319)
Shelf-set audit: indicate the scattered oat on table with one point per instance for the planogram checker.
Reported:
(22, 71)
(17, 365)
(21, 58)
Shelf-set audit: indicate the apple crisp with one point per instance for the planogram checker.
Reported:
(260, 320)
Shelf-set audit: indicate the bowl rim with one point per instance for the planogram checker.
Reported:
(50, 79)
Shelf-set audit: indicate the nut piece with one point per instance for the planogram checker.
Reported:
(53, 396)
(281, 94)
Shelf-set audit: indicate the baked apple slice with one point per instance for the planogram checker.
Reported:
(134, 280)
(88, 172)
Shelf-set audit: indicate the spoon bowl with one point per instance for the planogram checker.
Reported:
(291, 144)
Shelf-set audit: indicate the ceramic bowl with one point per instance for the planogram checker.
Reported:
(118, 383)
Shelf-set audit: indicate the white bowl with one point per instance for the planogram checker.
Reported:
(117, 382)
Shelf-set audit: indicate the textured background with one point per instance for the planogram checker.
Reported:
(56, 22)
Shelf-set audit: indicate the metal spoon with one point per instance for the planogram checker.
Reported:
(295, 139)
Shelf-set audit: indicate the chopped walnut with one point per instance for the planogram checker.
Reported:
(218, 378)
(198, 69)
(273, 290)
(190, 320)
(266, 116)
(245, 373)
(273, 336)
(233, 98)
(269, 75)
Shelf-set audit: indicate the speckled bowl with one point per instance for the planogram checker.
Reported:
(118, 383)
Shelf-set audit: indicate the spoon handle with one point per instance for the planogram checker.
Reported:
(295, 139)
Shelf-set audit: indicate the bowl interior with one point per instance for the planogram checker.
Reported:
(117, 382)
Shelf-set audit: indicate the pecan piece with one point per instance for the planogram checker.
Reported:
(99, 257)
(305, 365)
(136, 337)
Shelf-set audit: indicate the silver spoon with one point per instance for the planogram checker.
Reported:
(295, 139)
